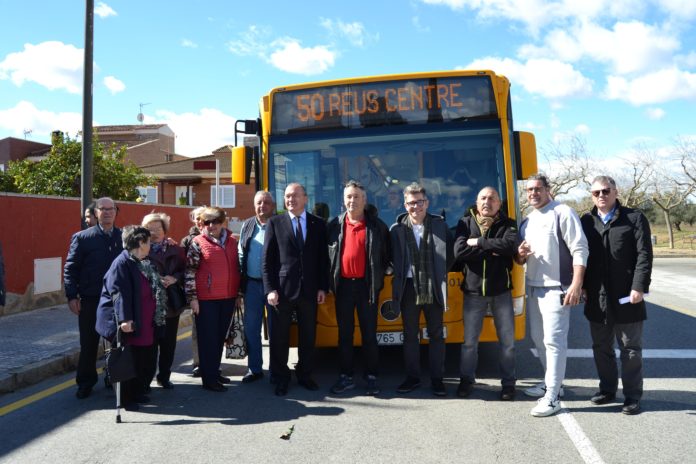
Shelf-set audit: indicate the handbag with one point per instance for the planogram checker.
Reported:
(119, 362)
(235, 342)
(176, 297)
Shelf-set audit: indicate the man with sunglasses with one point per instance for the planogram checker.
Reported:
(422, 253)
(90, 255)
(555, 251)
(618, 275)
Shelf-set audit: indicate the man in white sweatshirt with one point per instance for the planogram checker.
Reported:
(555, 250)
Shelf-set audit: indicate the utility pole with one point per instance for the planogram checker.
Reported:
(87, 151)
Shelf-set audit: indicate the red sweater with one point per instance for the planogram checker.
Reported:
(218, 270)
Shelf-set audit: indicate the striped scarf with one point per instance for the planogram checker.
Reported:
(158, 291)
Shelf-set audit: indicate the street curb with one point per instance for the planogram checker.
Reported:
(60, 363)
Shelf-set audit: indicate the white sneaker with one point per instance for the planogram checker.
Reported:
(546, 407)
(539, 390)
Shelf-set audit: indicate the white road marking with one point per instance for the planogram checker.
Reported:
(647, 354)
(587, 451)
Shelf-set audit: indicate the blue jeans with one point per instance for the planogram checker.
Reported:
(475, 307)
(254, 305)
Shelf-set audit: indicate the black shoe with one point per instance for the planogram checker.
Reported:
(252, 377)
(281, 388)
(216, 387)
(631, 407)
(196, 372)
(438, 387)
(465, 388)
(142, 399)
(131, 407)
(224, 380)
(308, 383)
(147, 389)
(83, 392)
(507, 393)
(408, 385)
(166, 384)
(602, 397)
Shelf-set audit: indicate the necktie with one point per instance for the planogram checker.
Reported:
(298, 233)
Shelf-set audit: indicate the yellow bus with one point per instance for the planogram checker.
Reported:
(451, 131)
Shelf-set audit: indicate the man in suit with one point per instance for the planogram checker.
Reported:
(295, 278)
(91, 253)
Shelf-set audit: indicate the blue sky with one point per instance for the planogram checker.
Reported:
(615, 72)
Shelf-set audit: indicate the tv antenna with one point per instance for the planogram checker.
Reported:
(141, 116)
(27, 132)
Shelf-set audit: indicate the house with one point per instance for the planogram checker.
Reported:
(13, 149)
(146, 144)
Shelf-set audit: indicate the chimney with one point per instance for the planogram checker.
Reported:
(56, 137)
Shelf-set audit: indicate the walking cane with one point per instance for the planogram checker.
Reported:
(118, 384)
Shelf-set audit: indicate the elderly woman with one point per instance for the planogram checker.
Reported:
(212, 282)
(170, 261)
(134, 293)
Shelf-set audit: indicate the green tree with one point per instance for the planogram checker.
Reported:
(59, 173)
(7, 182)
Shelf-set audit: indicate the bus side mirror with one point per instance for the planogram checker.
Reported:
(241, 164)
(526, 155)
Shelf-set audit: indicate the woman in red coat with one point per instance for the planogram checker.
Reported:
(212, 282)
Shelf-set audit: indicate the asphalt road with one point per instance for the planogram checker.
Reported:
(244, 424)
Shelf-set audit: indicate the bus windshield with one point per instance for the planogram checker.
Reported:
(452, 164)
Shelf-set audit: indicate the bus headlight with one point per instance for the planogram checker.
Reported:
(388, 312)
(518, 305)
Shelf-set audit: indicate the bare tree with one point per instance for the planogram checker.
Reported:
(635, 178)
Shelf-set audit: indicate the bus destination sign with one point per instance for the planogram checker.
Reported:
(414, 101)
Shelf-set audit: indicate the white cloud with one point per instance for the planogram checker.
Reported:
(653, 88)
(682, 9)
(531, 126)
(291, 57)
(26, 116)
(114, 85)
(655, 113)
(582, 129)
(254, 41)
(103, 10)
(417, 24)
(548, 78)
(188, 43)
(628, 47)
(200, 133)
(354, 32)
(52, 64)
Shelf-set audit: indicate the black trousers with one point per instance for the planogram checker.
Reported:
(281, 319)
(410, 313)
(89, 343)
(212, 323)
(353, 294)
(629, 338)
(132, 389)
(165, 348)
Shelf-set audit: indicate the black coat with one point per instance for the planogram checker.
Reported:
(287, 269)
(378, 249)
(620, 261)
(90, 255)
(488, 265)
(171, 262)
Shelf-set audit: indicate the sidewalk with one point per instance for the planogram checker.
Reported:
(38, 344)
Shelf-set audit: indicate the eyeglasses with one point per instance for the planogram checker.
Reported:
(605, 192)
(535, 189)
(214, 221)
(413, 204)
(108, 210)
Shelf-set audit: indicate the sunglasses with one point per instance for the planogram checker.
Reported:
(214, 221)
(605, 192)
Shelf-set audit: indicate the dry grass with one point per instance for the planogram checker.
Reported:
(683, 243)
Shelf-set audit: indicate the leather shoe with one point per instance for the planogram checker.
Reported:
(142, 399)
(224, 380)
(603, 397)
(308, 383)
(166, 384)
(252, 377)
(507, 393)
(83, 392)
(408, 385)
(196, 372)
(281, 388)
(216, 387)
(438, 387)
(131, 407)
(465, 388)
(631, 407)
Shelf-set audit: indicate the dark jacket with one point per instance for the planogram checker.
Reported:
(186, 241)
(620, 261)
(442, 255)
(171, 261)
(90, 255)
(287, 269)
(489, 264)
(378, 249)
(120, 292)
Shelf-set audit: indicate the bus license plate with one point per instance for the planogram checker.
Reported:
(390, 338)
